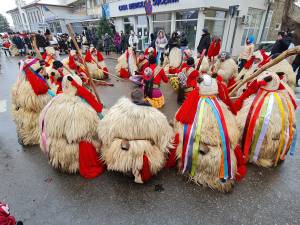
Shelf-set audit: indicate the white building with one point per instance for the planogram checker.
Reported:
(192, 16)
(52, 14)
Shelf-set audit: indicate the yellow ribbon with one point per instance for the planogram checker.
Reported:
(197, 139)
(281, 110)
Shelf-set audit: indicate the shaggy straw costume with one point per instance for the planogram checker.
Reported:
(262, 58)
(135, 139)
(68, 130)
(227, 68)
(29, 96)
(267, 122)
(127, 65)
(208, 139)
(92, 58)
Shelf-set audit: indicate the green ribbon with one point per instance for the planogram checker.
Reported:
(197, 140)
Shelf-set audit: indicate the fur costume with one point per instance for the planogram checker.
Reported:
(267, 122)
(49, 56)
(260, 58)
(227, 68)
(29, 96)
(74, 64)
(127, 65)
(68, 130)
(94, 59)
(135, 139)
(208, 139)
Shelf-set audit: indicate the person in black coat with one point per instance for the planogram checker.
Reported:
(19, 43)
(296, 65)
(174, 41)
(204, 41)
(152, 41)
(183, 41)
(280, 45)
(41, 42)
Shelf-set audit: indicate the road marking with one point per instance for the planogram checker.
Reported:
(3, 106)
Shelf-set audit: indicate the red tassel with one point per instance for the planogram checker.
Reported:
(241, 163)
(249, 63)
(266, 58)
(124, 73)
(88, 96)
(224, 96)
(100, 56)
(231, 82)
(187, 111)
(72, 63)
(172, 155)
(173, 70)
(38, 85)
(217, 48)
(88, 56)
(90, 165)
(146, 172)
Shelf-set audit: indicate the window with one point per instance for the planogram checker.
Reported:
(162, 21)
(215, 22)
(267, 27)
(186, 21)
(252, 28)
(128, 24)
(88, 4)
(35, 17)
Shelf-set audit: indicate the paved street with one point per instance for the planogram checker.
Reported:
(37, 194)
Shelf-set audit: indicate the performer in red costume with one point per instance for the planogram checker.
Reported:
(153, 75)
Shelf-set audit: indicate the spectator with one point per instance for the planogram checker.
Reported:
(161, 43)
(133, 40)
(41, 42)
(152, 41)
(87, 33)
(280, 45)
(117, 42)
(19, 43)
(204, 41)
(174, 41)
(28, 44)
(106, 43)
(123, 42)
(6, 44)
(48, 37)
(296, 66)
(247, 53)
(184, 42)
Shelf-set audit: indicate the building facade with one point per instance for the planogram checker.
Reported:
(54, 15)
(191, 17)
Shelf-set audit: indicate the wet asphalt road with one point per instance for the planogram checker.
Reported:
(37, 194)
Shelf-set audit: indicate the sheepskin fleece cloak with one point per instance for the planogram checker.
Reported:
(271, 141)
(68, 120)
(282, 66)
(25, 110)
(227, 69)
(208, 168)
(95, 72)
(125, 120)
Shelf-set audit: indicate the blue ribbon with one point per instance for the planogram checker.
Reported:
(51, 93)
(293, 146)
(211, 104)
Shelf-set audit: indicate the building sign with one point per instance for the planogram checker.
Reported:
(141, 4)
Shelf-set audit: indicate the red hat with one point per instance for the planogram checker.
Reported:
(86, 95)
(88, 56)
(5, 217)
(36, 81)
(72, 63)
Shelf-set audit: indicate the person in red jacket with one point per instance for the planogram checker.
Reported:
(188, 80)
(153, 75)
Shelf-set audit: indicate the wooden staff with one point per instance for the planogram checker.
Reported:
(201, 59)
(110, 74)
(36, 49)
(278, 59)
(71, 32)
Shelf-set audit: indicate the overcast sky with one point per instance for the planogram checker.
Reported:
(6, 5)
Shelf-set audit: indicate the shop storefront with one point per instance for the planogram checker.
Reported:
(191, 17)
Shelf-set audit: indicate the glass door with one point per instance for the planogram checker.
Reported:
(142, 33)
